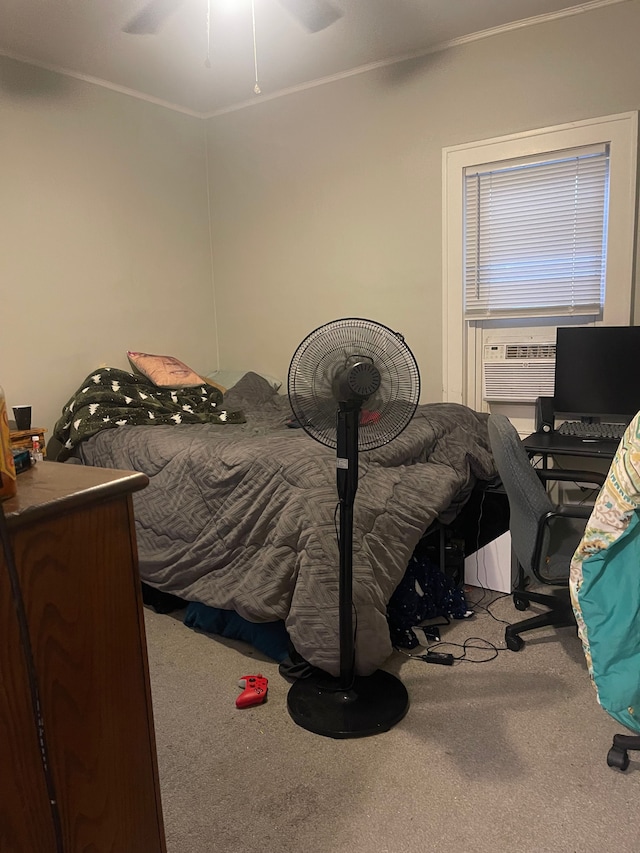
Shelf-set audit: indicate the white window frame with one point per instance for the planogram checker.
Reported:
(621, 132)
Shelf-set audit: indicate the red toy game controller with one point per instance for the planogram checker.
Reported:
(254, 692)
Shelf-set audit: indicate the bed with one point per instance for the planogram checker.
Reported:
(240, 513)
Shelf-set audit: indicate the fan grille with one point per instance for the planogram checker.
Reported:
(323, 356)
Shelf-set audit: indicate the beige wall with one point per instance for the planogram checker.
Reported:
(328, 203)
(325, 204)
(104, 235)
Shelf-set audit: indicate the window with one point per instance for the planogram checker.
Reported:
(535, 235)
(504, 262)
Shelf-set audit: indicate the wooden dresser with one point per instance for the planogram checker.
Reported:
(72, 533)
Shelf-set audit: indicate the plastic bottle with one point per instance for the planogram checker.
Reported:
(36, 453)
(7, 467)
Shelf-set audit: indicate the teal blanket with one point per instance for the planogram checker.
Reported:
(605, 585)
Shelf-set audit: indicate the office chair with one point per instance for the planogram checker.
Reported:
(544, 535)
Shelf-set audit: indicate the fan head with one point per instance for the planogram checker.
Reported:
(313, 15)
(358, 362)
(151, 17)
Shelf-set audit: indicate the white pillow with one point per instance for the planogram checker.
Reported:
(227, 378)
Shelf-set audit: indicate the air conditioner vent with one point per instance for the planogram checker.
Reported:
(534, 351)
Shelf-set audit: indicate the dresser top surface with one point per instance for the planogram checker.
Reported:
(51, 487)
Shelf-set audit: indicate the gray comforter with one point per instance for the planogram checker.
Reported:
(242, 517)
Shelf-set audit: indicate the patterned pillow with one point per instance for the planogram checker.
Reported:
(165, 371)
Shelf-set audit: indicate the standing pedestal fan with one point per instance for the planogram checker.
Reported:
(353, 385)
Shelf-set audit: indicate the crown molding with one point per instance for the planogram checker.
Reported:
(104, 84)
(578, 9)
(437, 48)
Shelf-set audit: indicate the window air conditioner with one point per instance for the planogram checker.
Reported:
(518, 372)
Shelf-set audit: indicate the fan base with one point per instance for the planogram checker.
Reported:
(373, 704)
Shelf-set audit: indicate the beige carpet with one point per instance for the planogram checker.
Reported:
(507, 755)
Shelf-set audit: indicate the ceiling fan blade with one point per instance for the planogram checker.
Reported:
(149, 20)
(314, 15)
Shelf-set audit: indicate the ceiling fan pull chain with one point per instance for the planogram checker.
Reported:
(256, 88)
(207, 62)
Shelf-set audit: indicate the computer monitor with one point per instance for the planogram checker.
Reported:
(597, 372)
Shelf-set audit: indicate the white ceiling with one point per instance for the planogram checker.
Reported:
(85, 38)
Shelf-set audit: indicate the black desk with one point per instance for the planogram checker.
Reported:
(554, 444)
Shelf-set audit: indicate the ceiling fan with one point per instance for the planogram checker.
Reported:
(314, 15)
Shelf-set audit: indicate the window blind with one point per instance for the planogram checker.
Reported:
(535, 235)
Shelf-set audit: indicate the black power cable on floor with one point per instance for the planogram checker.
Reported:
(27, 651)
(467, 645)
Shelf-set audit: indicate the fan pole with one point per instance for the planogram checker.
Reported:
(351, 706)
(347, 479)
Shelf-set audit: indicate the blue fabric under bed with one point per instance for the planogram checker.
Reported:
(270, 638)
(424, 593)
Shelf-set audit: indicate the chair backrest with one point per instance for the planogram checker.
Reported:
(528, 499)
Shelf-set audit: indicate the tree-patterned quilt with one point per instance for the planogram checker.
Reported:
(110, 398)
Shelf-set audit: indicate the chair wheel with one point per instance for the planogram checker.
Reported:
(617, 757)
(520, 603)
(514, 642)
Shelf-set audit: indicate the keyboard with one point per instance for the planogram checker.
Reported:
(592, 432)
